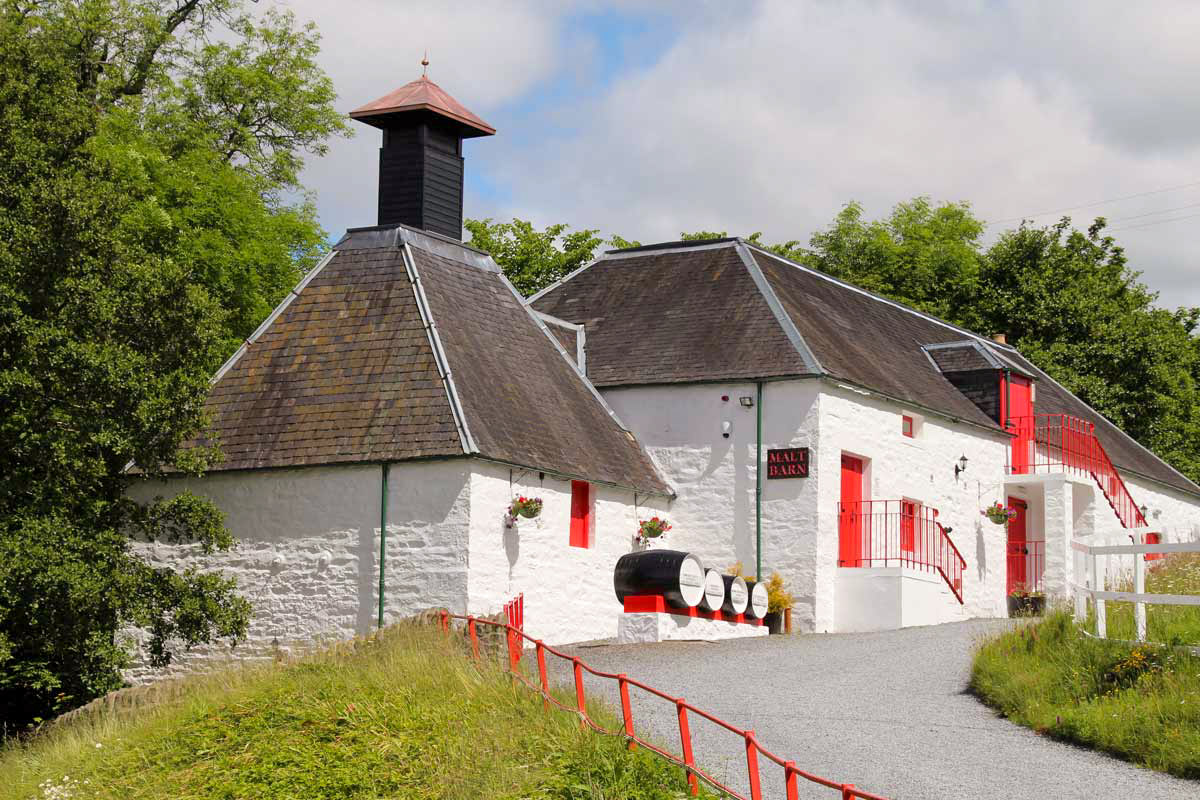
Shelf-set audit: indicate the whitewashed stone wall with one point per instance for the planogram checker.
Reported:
(568, 590)
(919, 468)
(308, 547)
(714, 477)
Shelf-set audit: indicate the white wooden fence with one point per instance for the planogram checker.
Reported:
(1139, 598)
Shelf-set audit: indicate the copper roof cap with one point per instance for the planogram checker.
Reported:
(422, 95)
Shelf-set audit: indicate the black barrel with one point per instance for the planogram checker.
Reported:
(736, 594)
(757, 607)
(677, 576)
(714, 591)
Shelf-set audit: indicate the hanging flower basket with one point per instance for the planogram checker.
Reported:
(527, 507)
(999, 513)
(653, 528)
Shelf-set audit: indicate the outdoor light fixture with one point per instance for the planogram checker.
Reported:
(960, 467)
(726, 427)
(747, 401)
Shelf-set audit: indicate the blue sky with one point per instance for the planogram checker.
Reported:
(647, 119)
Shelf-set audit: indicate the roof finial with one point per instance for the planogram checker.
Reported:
(425, 64)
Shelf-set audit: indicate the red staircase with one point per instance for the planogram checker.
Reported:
(898, 533)
(1047, 443)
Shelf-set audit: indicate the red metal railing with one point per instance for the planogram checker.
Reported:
(1026, 563)
(791, 773)
(1046, 443)
(898, 533)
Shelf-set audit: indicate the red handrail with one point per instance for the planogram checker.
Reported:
(898, 533)
(791, 774)
(1049, 442)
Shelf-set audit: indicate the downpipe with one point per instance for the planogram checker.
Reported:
(383, 517)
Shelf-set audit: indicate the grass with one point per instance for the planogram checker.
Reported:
(1178, 573)
(403, 715)
(1141, 703)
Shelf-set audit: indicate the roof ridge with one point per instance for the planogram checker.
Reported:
(440, 360)
(873, 295)
(767, 291)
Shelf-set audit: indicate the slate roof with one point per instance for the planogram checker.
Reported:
(728, 310)
(346, 372)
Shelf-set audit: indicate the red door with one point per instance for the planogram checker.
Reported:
(1020, 419)
(908, 529)
(1018, 548)
(849, 513)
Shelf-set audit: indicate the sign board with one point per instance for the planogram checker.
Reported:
(791, 462)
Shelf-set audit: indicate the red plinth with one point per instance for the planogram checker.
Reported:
(656, 603)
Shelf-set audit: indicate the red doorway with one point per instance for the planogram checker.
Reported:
(1019, 418)
(850, 526)
(1018, 548)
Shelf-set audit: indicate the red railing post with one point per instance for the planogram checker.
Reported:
(474, 637)
(579, 699)
(847, 791)
(514, 658)
(752, 766)
(542, 676)
(444, 622)
(790, 780)
(626, 708)
(685, 738)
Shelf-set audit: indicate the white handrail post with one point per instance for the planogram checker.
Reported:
(1139, 587)
(1101, 613)
(1080, 597)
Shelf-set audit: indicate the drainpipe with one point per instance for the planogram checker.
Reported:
(383, 497)
(758, 485)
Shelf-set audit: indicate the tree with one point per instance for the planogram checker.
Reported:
(1070, 302)
(146, 147)
(924, 255)
(530, 258)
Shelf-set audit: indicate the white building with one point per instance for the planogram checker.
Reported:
(715, 351)
(376, 427)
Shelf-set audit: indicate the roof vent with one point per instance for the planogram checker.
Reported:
(420, 162)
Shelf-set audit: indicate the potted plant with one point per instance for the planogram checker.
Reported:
(999, 513)
(651, 529)
(527, 507)
(1023, 602)
(779, 605)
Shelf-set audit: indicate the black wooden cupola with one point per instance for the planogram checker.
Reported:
(421, 162)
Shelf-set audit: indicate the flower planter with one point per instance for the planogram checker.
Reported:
(774, 622)
(1026, 605)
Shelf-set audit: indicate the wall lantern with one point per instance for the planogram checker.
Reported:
(747, 401)
(960, 467)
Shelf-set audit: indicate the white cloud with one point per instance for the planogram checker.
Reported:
(771, 116)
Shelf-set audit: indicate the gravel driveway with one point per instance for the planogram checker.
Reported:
(886, 711)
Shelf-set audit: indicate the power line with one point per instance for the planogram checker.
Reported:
(1156, 222)
(1155, 213)
(1096, 203)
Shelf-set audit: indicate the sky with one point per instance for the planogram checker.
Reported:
(648, 119)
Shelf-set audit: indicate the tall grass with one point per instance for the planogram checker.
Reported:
(1178, 573)
(1140, 703)
(403, 715)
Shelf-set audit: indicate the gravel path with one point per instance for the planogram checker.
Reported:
(886, 711)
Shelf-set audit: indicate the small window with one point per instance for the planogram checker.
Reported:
(906, 426)
(581, 514)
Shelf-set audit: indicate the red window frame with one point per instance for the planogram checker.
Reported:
(906, 425)
(581, 514)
